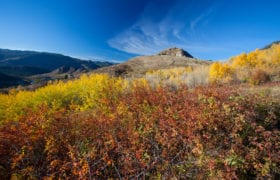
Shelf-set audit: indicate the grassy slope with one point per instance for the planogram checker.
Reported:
(137, 67)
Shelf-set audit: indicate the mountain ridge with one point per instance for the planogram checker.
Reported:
(25, 64)
(166, 59)
(174, 51)
(45, 60)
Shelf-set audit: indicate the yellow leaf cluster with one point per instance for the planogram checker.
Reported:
(261, 59)
(219, 72)
(83, 93)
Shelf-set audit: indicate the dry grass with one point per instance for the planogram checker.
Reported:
(137, 67)
(268, 90)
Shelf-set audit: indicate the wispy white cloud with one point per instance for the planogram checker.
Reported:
(201, 18)
(148, 36)
(98, 58)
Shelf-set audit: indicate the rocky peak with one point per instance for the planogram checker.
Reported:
(175, 52)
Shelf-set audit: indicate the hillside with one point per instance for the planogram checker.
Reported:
(271, 44)
(166, 59)
(172, 123)
(43, 60)
(6, 81)
(23, 64)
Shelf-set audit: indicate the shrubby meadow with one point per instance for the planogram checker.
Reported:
(216, 122)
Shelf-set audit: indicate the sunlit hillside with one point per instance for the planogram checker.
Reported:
(256, 67)
(219, 121)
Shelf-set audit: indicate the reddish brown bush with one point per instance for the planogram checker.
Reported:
(200, 133)
(259, 76)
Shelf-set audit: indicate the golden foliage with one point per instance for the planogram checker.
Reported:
(265, 60)
(84, 93)
(262, 59)
(220, 72)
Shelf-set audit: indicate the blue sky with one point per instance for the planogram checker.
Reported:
(120, 29)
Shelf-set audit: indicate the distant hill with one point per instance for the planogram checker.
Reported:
(23, 64)
(22, 71)
(138, 66)
(7, 81)
(43, 62)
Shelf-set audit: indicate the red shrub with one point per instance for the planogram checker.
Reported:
(200, 133)
(259, 76)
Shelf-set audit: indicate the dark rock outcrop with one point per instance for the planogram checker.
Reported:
(177, 52)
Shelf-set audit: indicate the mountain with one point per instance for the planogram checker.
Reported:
(41, 62)
(175, 52)
(22, 71)
(166, 59)
(16, 67)
(7, 81)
